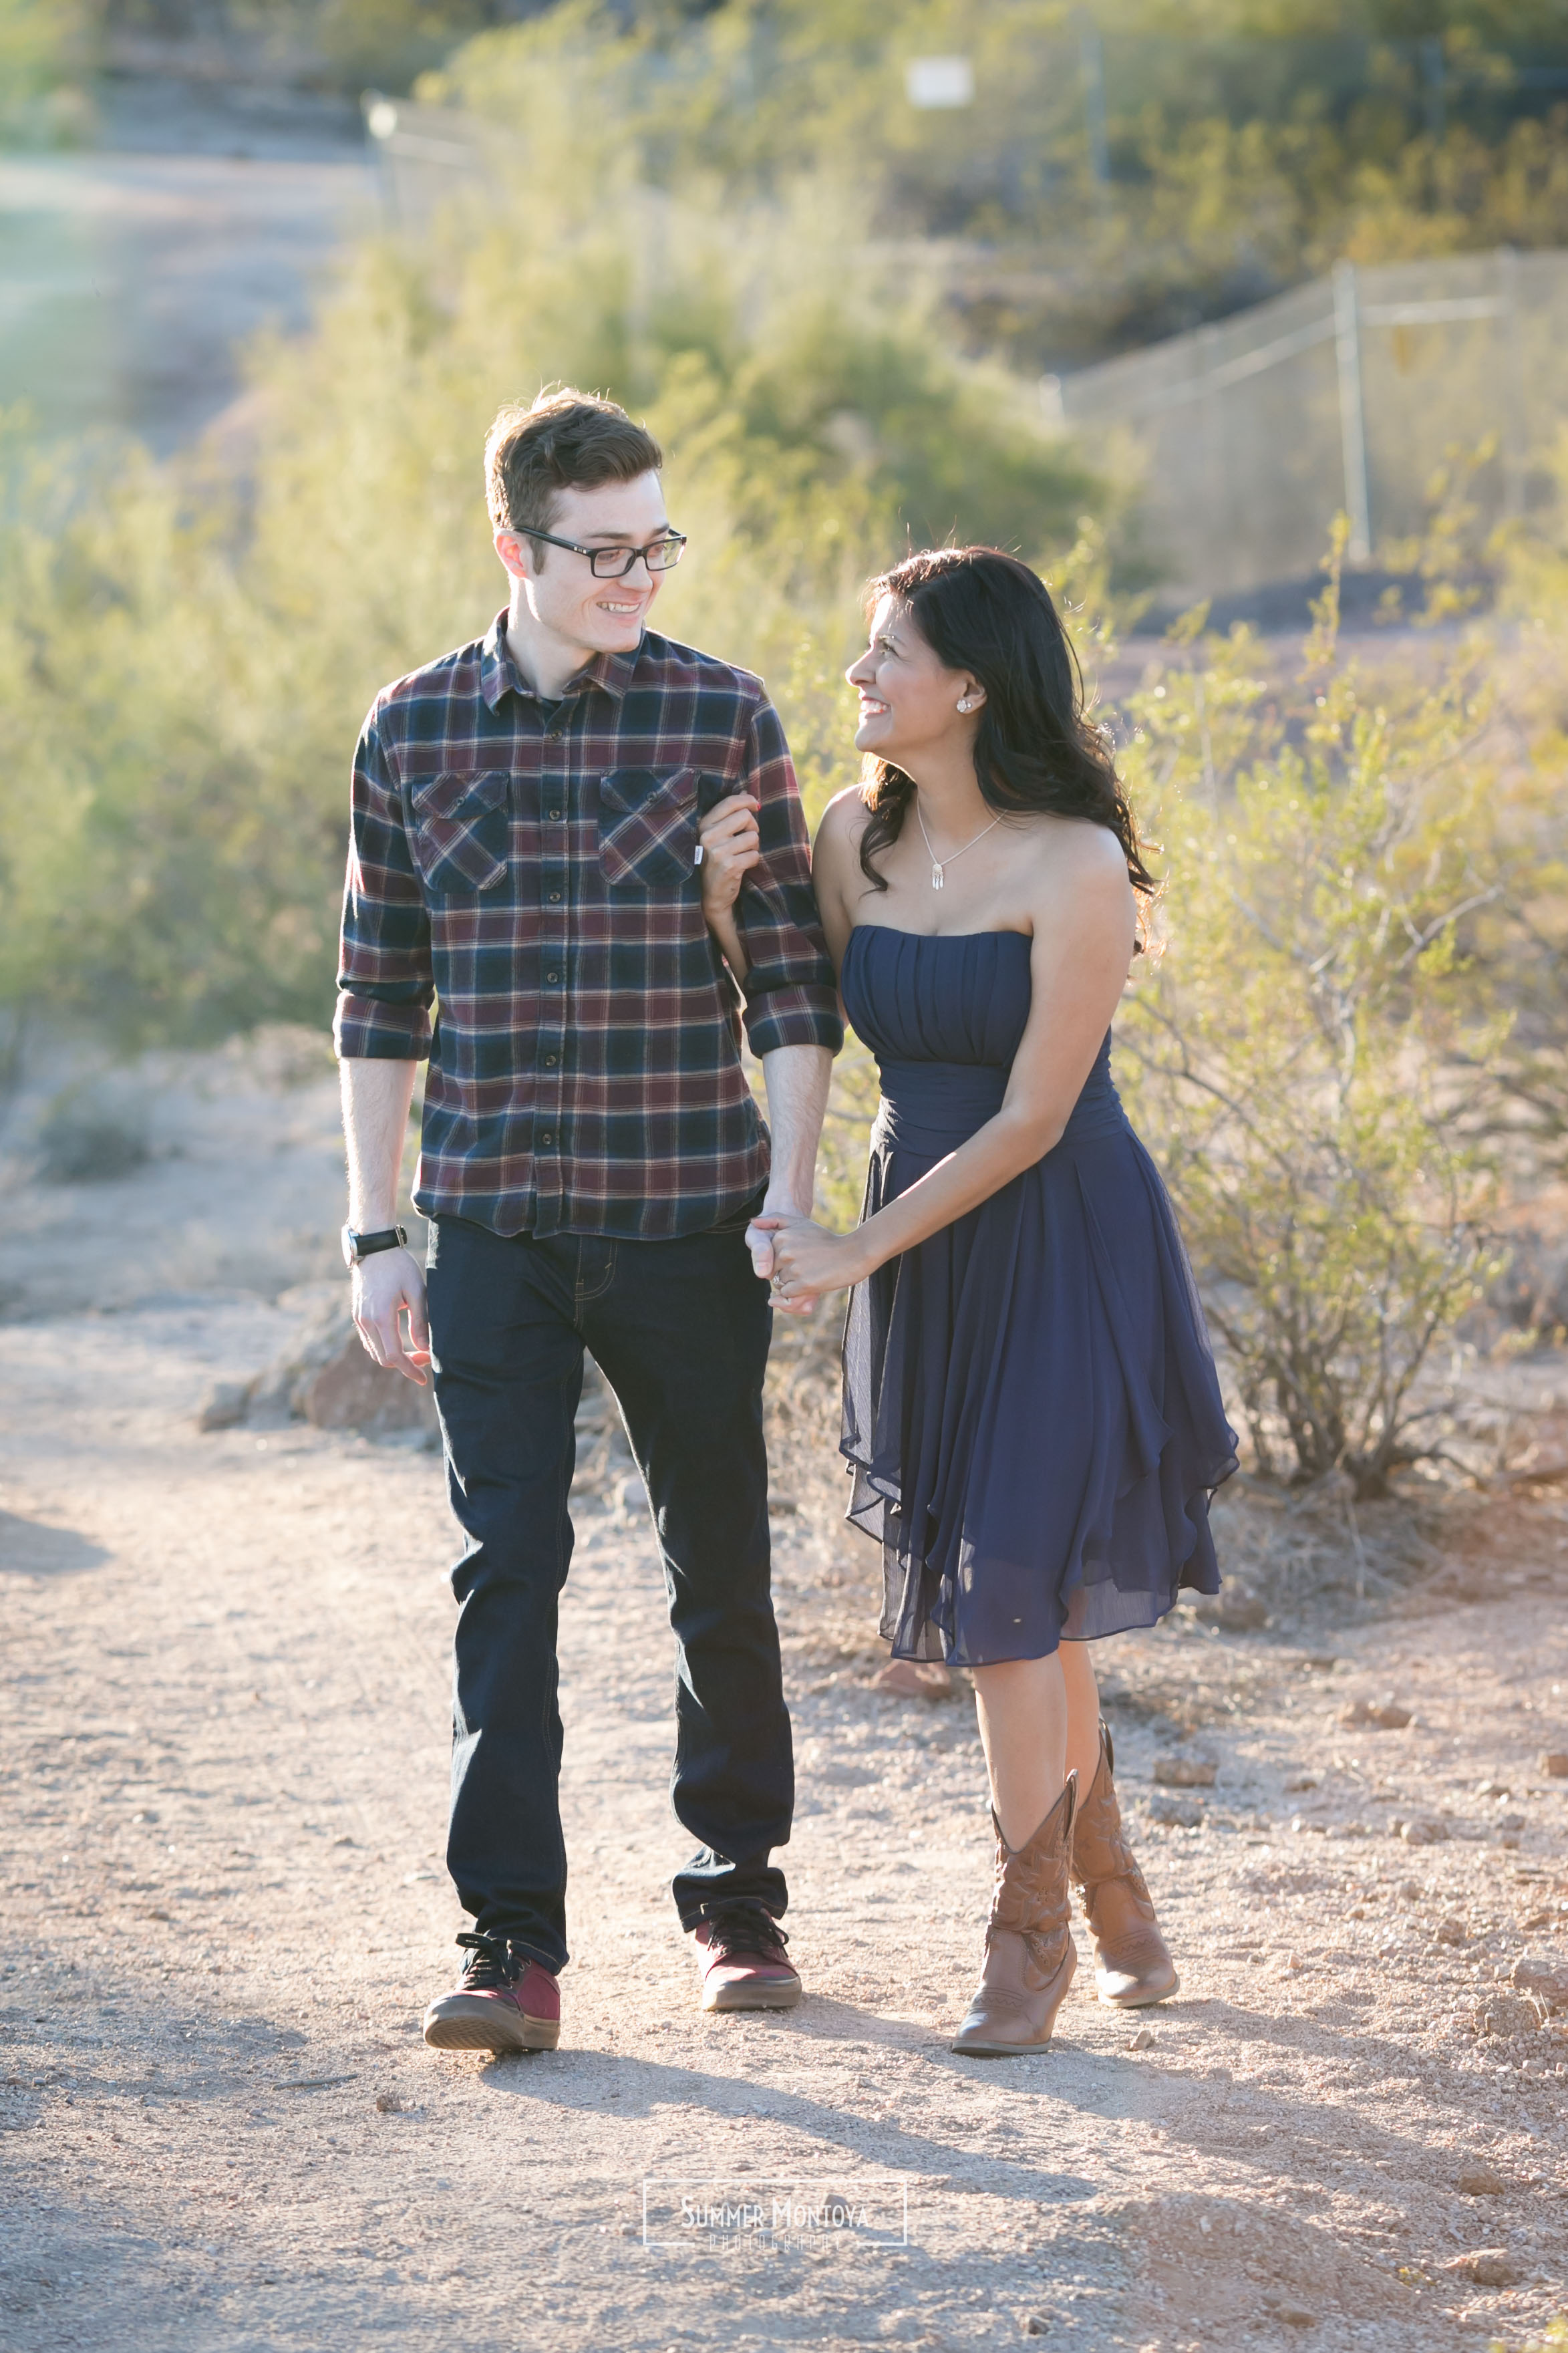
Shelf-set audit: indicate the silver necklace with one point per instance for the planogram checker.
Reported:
(938, 864)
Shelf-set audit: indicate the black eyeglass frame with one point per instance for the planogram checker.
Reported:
(676, 539)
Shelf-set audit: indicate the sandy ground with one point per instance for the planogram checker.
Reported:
(220, 1831)
(132, 270)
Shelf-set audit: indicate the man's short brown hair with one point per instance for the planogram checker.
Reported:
(567, 441)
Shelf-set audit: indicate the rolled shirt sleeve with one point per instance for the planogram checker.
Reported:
(792, 994)
(384, 982)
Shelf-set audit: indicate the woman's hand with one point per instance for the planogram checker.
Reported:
(729, 849)
(808, 1260)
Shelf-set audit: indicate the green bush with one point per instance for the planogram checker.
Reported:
(1290, 1052)
(184, 667)
(1250, 146)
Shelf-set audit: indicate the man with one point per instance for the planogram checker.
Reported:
(524, 854)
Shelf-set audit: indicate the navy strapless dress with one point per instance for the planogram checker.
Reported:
(1031, 1412)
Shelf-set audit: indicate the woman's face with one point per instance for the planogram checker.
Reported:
(910, 701)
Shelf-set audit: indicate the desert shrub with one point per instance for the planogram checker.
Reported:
(1518, 946)
(184, 667)
(1290, 1052)
(91, 1133)
(1248, 146)
(45, 48)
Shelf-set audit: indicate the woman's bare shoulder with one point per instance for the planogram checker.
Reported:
(843, 821)
(1073, 853)
(835, 850)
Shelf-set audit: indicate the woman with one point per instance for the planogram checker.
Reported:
(1031, 1413)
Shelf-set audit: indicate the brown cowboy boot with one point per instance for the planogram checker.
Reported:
(1029, 1956)
(1132, 1963)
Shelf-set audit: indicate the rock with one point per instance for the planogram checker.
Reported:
(1554, 1763)
(1488, 2266)
(1295, 2315)
(352, 1392)
(912, 1679)
(387, 2103)
(1389, 1717)
(1507, 2017)
(1038, 2324)
(1142, 2040)
(1430, 1829)
(1492, 1789)
(1178, 1772)
(1176, 1813)
(227, 1404)
(325, 1377)
(1450, 1931)
(1546, 1980)
(1237, 1611)
(1480, 2181)
(1301, 1781)
(1511, 1821)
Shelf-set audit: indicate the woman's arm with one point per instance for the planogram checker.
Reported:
(1084, 931)
(836, 871)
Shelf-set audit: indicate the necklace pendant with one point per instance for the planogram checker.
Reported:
(935, 876)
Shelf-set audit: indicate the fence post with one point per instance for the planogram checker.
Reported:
(1515, 434)
(1433, 87)
(1091, 68)
(1352, 411)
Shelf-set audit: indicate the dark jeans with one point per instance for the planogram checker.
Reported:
(681, 1331)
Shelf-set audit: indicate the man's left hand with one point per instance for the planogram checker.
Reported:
(806, 1259)
(760, 1242)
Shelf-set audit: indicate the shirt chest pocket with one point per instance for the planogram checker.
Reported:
(461, 830)
(647, 826)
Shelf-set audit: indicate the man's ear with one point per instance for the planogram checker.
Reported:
(515, 553)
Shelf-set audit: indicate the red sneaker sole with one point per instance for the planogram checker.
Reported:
(468, 2033)
(752, 1996)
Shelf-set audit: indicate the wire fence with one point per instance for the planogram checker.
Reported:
(1346, 395)
(1250, 434)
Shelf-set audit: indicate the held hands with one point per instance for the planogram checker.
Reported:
(386, 1287)
(730, 848)
(806, 1259)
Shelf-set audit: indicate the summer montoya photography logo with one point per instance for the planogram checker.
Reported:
(728, 2216)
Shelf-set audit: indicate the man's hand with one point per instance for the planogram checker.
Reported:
(807, 1259)
(777, 1210)
(386, 1287)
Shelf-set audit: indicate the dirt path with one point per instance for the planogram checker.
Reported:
(220, 1824)
(132, 271)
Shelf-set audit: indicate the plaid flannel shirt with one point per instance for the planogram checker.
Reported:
(529, 867)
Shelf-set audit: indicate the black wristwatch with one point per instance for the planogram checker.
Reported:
(359, 1247)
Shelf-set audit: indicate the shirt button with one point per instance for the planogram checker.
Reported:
(551, 1060)
(555, 898)
(554, 813)
(547, 1137)
(552, 978)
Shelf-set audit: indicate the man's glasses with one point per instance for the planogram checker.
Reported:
(614, 563)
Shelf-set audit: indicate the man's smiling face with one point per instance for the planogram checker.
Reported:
(565, 600)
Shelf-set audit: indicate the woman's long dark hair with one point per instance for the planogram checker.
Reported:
(988, 614)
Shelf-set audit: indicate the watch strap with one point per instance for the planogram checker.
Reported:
(364, 1246)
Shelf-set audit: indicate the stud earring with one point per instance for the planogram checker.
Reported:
(964, 703)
